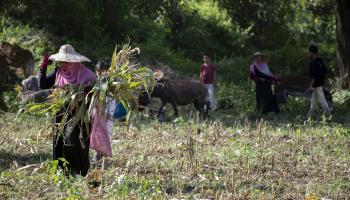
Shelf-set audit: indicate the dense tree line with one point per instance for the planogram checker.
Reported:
(270, 21)
(224, 28)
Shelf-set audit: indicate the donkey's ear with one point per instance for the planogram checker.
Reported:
(158, 74)
(23, 86)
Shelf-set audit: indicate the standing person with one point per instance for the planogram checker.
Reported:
(112, 109)
(263, 78)
(101, 69)
(208, 78)
(73, 144)
(317, 74)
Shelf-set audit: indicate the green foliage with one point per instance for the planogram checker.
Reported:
(321, 21)
(282, 61)
(11, 100)
(230, 95)
(341, 100)
(289, 60)
(62, 18)
(40, 41)
(294, 59)
(234, 69)
(267, 19)
(124, 81)
(286, 60)
(178, 32)
(35, 40)
(184, 24)
(123, 186)
(202, 27)
(342, 97)
(70, 97)
(156, 50)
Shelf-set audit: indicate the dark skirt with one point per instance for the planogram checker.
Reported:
(73, 146)
(265, 99)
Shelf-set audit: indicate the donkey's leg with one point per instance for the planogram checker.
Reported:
(161, 108)
(173, 103)
(199, 106)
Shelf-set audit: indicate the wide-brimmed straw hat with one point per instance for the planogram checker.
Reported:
(68, 54)
(258, 53)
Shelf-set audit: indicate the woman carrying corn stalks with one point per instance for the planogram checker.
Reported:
(74, 141)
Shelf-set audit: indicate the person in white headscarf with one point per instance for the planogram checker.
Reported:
(263, 78)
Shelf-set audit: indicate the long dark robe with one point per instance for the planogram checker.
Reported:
(73, 143)
(265, 99)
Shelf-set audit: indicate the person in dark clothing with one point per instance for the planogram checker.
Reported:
(46, 81)
(317, 74)
(263, 78)
(73, 144)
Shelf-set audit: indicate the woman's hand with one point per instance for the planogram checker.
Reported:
(309, 89)
(45, 61)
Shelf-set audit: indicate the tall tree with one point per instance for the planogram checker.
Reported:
(175, 20)
(343, 40)
(267, 19)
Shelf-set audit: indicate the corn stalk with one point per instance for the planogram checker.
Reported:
(123, 82)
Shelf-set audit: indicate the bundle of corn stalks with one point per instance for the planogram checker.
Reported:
(123, 82)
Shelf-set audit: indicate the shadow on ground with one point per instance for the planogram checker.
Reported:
(9, 158)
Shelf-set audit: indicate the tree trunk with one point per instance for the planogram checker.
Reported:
(342, 8)
(175, 21)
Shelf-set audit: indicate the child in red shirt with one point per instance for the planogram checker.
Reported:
(207, 78)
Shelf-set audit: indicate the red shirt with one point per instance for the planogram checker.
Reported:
(207, 73)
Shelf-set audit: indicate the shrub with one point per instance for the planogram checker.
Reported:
(284, 61)
(240, 98)
(35, 40)
(11, 100)
(155, 47)
(234, 69)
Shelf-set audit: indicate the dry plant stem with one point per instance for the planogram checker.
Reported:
(238, 161)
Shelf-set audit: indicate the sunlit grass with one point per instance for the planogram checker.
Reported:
(186, 159)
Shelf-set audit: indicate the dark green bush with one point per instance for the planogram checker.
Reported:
(240, 98)
(234, 69)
